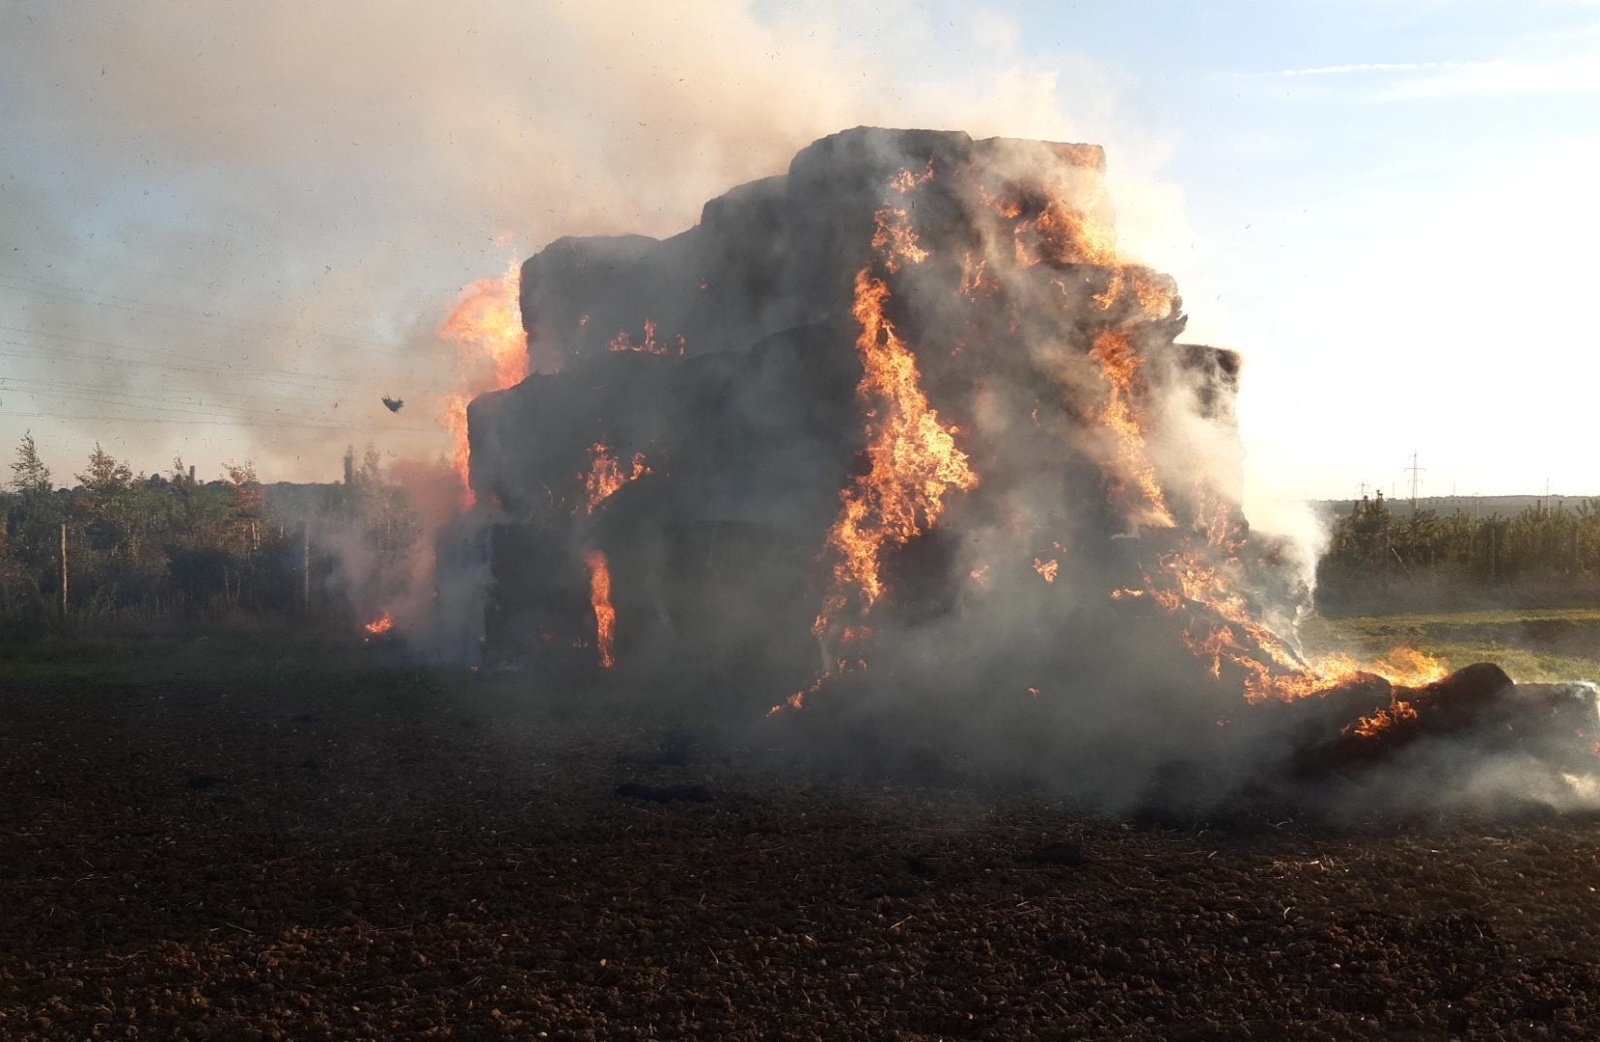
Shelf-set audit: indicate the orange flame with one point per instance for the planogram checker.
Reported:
(1120, 366)
(897, 240)
(913, 460)
(1059, 234)
(1382, 720)
(486, 325)
(606, 475)
(649, 346)
(1108, 297)
(382, 624)
(1156, 301)
(1272, 669)
(605, 616)
(976, 280)
(797, 701)
(905, 180)
(1047, 569)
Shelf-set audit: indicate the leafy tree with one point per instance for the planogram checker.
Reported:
(28, 473)
(248, 495)
(106, 473)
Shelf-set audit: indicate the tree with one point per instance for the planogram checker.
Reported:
(28, 473)
(106, 473)
(248, 496)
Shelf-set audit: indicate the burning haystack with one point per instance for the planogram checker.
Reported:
(905, 422)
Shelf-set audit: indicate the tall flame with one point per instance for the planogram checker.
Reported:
(1120, 366)
(486, 326)
(605, 616)
(913, 461)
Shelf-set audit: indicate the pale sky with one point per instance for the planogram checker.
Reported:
(226, 230)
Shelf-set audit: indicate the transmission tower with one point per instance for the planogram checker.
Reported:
(1416, 474)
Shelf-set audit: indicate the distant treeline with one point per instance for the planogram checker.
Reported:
(1382, 557)
(124, 545)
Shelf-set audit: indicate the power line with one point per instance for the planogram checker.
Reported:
(160, 352)
(175, 397)
(203, 423)
(158, 309)
(296, 383)
(180, 393)
(170, 408)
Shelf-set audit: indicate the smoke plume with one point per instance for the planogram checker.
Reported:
(231, 233)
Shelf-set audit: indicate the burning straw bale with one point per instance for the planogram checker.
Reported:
(904, 425)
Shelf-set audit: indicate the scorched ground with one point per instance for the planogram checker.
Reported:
(246, 864)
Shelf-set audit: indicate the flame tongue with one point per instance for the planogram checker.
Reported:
(913, 461)
(605, 616)
(606, 475)
(1120, 366)
(486, 327)
(1225, 631)
(912, 458)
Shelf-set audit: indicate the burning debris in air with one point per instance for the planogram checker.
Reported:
(1016, 386)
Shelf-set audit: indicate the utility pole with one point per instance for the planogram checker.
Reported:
(1416, 471)
(63, 569)
(305, 567)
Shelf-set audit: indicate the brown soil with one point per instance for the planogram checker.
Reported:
(263, 868)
